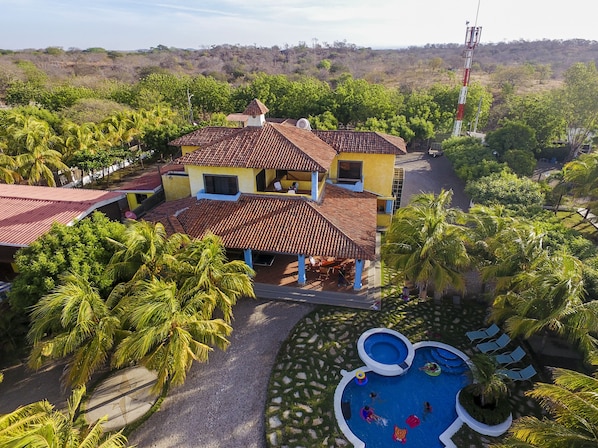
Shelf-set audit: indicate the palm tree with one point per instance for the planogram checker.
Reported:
(516, 245)
(147, 251)
(169, 330)
(573, 404)
(35, 157)
(202, 268)
(79, 323)
(582, 176)
(488, 383)
(549, 296)
(8, 173)
(426, 243)
(39, 425)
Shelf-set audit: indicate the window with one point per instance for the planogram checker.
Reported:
(221, 184)
(349, 170)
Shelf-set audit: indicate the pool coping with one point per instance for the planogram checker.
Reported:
(348, 376)
(381, 368)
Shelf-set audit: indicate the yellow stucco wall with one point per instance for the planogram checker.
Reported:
(132, 200)
(176, 186)
(383, 220)
(378, 171)
(187, 149)
(245, 176)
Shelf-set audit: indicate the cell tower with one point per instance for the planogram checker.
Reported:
(472, 39)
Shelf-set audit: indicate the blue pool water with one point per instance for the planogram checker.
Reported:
(385, 348)
(399, 397)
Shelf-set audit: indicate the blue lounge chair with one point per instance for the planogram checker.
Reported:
(524, 374)
(492, 346)
(511, 357)
(483, 333)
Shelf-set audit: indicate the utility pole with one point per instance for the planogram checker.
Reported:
(189, 96)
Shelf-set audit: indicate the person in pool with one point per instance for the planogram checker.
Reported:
(430, 367)
(427, 409)
(368, 414)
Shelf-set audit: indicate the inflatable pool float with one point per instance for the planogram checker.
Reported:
(412, 421)
(432, 369)
(400, 435)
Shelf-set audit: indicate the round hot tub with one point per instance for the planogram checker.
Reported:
(386, 352)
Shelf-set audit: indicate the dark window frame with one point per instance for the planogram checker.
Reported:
(353, 172)
(221, 184)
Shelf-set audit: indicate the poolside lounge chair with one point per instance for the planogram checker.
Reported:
(492, 346)
(511, 357)
(520, 374)
(483, 333)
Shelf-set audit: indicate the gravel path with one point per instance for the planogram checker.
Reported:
(222, 402)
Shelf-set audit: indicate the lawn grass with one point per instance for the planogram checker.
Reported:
(574, 220)
(299, 408)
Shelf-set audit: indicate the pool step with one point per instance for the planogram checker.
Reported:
(448, 361)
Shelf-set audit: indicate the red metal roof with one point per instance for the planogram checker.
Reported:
(27, 212)
(280, 224)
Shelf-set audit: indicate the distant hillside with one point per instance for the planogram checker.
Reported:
(537, 64)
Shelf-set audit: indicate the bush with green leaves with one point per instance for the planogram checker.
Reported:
(521, 161)
(83, 249)
(470, 159)
(521, 195)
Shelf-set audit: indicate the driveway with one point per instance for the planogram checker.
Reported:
(430, 175)
(221, 405)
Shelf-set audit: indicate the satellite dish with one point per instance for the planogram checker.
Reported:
(303, 123)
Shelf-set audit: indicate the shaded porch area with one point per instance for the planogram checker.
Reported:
(280, 281)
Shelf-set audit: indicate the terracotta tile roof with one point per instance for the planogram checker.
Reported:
(272, 146)
(363, 142)
(282, 225)
(203, 136)
(256, 107)
(27, 212)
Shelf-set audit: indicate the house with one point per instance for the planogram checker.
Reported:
(146, 190)
(279, 188)
(27, 212)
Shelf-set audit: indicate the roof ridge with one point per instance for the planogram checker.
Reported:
(359, 248)
(301, 151)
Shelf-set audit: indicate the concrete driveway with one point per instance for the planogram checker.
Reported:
(221, 405)
(430, 175)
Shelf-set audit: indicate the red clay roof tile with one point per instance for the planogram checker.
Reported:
(281, 224)
(256, 107)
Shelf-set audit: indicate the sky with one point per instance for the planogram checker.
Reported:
(143, 24)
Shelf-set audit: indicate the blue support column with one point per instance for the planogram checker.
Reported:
(388, 207)
(358, 271)
(248, 257)
(314, 185)
(301, 264)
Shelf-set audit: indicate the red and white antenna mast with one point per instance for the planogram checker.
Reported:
(472, 39)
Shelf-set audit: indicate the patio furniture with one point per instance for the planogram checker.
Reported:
(492, 346)
(511, 357)
(483, 333)
(524, 374)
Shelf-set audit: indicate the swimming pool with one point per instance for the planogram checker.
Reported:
(385, 351)
(397, 398)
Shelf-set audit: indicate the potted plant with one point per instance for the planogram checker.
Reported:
(486, 399)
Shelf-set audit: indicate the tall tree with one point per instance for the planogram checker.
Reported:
(577, 102)
(79, 322)
(39, 425)
(572, 403)
(427, 245)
